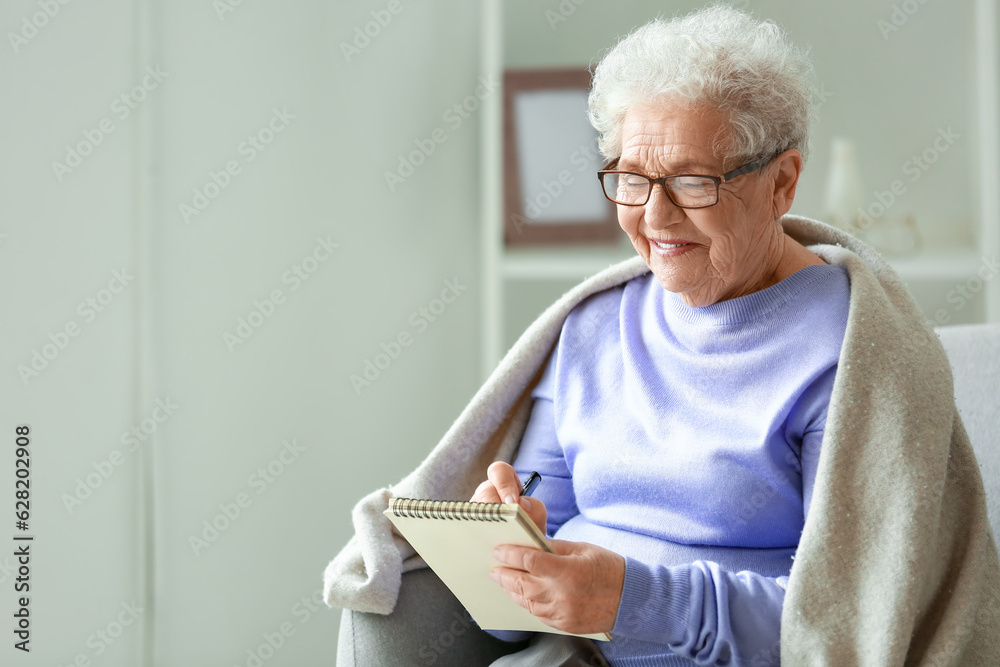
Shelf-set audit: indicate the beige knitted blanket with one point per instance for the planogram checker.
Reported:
(897, 563)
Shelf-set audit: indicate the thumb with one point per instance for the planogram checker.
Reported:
(565, 548)
(504, 479)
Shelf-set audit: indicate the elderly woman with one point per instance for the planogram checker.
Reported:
(742, 439)
(677, 425)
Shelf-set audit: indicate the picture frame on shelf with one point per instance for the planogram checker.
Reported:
(551, 193)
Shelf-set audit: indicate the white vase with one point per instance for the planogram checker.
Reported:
(844, 194)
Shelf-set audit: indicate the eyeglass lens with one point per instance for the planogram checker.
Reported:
(684, 190)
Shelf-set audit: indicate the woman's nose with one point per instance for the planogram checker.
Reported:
(661, 211)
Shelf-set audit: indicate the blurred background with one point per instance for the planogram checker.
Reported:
(209, 279)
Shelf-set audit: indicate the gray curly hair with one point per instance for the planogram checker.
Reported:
(719, 57)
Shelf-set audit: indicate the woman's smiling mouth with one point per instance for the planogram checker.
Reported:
(670, 248)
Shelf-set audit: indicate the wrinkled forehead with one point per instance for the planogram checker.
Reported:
(673, 138)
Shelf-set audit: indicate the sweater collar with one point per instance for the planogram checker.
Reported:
(743, 309)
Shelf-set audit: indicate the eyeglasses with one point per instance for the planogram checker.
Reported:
(684, 190)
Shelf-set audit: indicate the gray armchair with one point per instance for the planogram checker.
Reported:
(974, 352)
(430, 627)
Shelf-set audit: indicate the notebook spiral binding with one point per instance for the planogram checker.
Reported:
(446, 509)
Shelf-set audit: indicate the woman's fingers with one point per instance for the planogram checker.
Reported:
(501, 483)
(520, 584)
(485, 493)
(528, 559)
(505, 481)
(576, 589)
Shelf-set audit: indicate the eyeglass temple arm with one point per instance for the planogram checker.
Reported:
(747, 168)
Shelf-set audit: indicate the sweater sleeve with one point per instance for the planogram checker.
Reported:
(541, 451)
(705, 613)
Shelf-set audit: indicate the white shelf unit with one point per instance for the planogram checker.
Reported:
(941, 269)
(988, 123)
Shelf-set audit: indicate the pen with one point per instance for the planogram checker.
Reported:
(529, 484)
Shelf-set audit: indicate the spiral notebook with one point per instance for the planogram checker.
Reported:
(456, 539)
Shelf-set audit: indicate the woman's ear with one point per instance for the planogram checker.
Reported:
(786, 170)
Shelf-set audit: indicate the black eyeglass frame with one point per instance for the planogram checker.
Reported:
(662, 181)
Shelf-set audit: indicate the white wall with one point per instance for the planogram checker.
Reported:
(62, 241)
(323, 176)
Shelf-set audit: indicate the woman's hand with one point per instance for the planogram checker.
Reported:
(576, 589)
(503, 486)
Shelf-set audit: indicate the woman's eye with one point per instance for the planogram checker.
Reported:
(693, 184)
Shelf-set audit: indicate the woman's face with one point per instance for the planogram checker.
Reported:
(727, 250)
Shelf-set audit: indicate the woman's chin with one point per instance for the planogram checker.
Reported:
(672, 285)
(672, 282)
(669, 275)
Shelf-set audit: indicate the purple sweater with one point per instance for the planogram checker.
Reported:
(686, 440)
